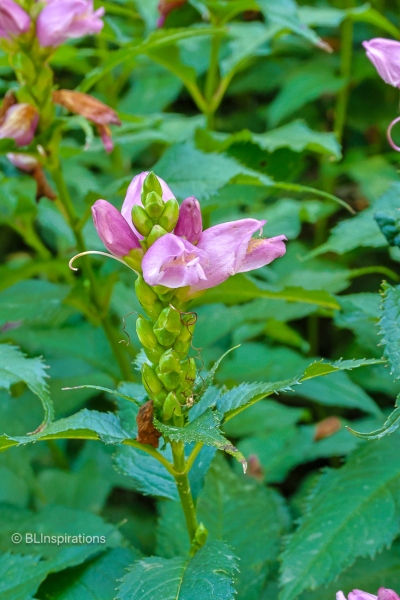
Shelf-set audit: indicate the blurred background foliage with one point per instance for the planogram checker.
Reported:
(239, 103)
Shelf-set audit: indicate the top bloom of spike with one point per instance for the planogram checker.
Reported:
(14, 21)
(176, 251)
(383, 594)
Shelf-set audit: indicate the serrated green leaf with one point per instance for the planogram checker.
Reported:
(390, 326)
(204, 429)
(86, 424)
(391, 425)
(104, 389)
(15, 366)
(206, 576)
(20, 576)
(352, 497)
(33, 301)
(296, 135)
(250, 392)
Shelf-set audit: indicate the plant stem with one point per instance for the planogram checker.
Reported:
(345, 71)
(185, 494)
(95, 293)
(212, 80)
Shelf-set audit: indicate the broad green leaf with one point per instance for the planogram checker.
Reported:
(86, 424)
(226, 10)
(390, 327)
(251, 392)
(364, 574)
(94, 580)
(156, 40)
(224, 497)
(245, 42)
(362, 230)
(352, 497)
(34, 301)
(263, 417)
(15, 366)
(285, 14)
(206, 576)
(20, 576)
(241, 288)
(296, 135)
(204, 429)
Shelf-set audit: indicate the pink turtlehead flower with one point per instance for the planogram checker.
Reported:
(190, 224)
(61, 20)
(383, 594)
(174, 262)
(113, 230)
(133, 196)
(14, 20)
(385, 56)
(19, 123)
(222, 251)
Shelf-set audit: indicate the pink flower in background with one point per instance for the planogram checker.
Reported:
(61, 20)
(133, 197)
(385, 56)
(19, 123)
(383, 594)
(13, 19)
(113, 230)
(92, 109)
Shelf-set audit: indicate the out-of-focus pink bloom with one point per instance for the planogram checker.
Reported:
(92, 109)
(19, 123)
(385, 56)
(189, 225)
(133, 196)
(25, 162)
(61, 20)
(113, 230)
(174, 262)
(383, 594)
(226, 249)
(14, 20)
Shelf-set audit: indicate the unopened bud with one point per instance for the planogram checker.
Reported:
(168, 326)
(169, 361)
(141, 220)
(150, 184)
(19, 123)
(145, 333)
(156, 232)
(201, 535)
(134, 259)
(171, 406)
(150, 380)
(148, 298)
(170, 215)
(154, 205)
(170, 380)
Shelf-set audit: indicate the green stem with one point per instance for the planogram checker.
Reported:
(345, 71)
(184, 491)
(372, 270)
(95, 292)
(193, 455)
(212, 81)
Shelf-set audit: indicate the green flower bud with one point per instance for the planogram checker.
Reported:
(154, 205)
(200, 536)
(168, 326)
(153, 355)
(160, 397)
(169, 361)
(145, 333)
(156, 232)
(141, 220)
(150, 184)
(170, 380)
(184, 338)
(134, 259)
(148, 298)
(169, 217)
(171, 406)
(150, 380)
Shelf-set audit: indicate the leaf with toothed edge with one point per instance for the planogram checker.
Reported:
(390, 326)
(391, 425)
(203, 429)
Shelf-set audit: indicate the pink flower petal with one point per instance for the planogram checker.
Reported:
(385, 56)
(189, 225)
(113, 230)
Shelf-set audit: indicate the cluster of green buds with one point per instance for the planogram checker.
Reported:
(167, 332)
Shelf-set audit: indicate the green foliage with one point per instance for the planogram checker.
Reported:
(208, 575)
(389, 324)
